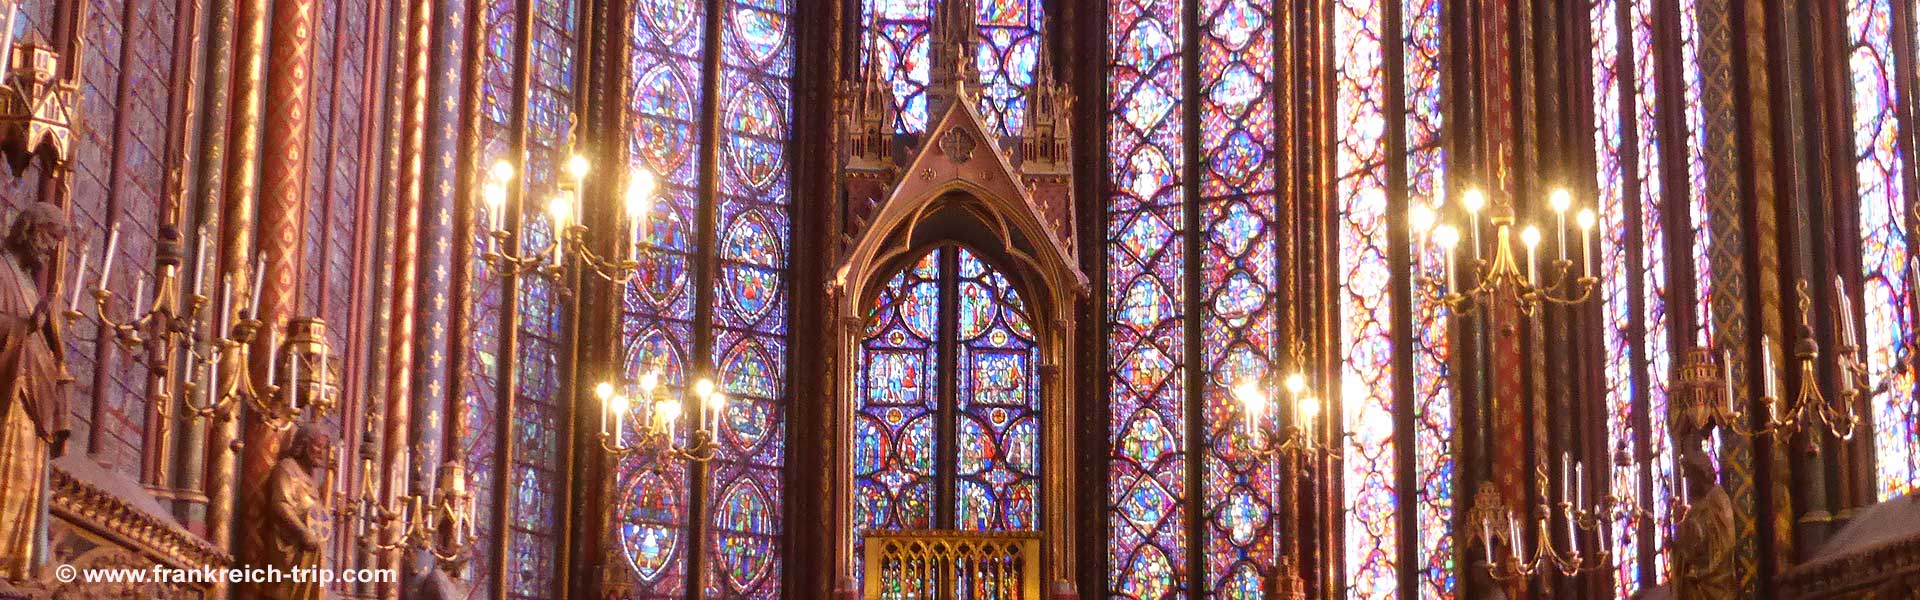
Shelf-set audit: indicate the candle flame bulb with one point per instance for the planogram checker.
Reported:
(1296, 383)
(1560, 200)
(560, 208)
(669, 410)
(501, 171)
(1473, 200)
(1251, 397)
(703, 387)
(604, 391)
(640, 193)
(618, 404)
(578, 166)
(1585, 219)
(1421, 218)
(1447, 236)
(494, 194)
(1530, 236)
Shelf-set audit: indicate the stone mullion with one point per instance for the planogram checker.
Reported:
(811, 468)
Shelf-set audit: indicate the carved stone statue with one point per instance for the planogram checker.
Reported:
(294, 534)
(33, 380)
(1703, 540)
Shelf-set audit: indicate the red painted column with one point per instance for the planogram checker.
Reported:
(282, 158)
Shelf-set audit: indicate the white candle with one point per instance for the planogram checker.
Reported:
(226, 299)
(1513, 531)
(140, 296)
(1573, 532)
(106, 260)
(1847, 338)
(1686, 496)
(293, 380)
(200, 262)
(1579, 484)
(6, 38)
(1766, 355)
(79, 275)
(259, 277)
(1486, 532)
(1566, 476)
(1449, 259)
(273, 357)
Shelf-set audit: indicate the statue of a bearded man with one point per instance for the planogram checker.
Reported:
(33, 382)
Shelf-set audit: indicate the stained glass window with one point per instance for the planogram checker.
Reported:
(665, 93)
(750, 305)
(1240, 330)
(898, 33)
(1146, 490)
(1696, 126)
(743, 492)
(535, 479)
(1433, 393)
(1634, 210)
(1885, 242)
(1010, 46)
(1366, 334)
(948, 312)
(1237, 210)
(495, 105)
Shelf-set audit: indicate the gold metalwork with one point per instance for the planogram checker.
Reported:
(951, 565)
(569, 239)
(1581, 523)
(216, 380)
(659, 429)
(36, 106)
(442, 522)
(1503, 272)
(1810, 405)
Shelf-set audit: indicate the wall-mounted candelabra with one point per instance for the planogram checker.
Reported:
(659, 419)
(167, 321)
(1567, 282)
(440, 522)
(566, 214)
(1263, 437)
(1589, 543)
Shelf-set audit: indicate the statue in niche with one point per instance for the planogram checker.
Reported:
(33, 384)
(1703, 539)
(295, 531)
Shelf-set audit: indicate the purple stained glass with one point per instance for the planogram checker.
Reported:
(897, 34)
(897, 386)
(899, 451)
(750, 299)
(997, 445)
(1615, 273)
(1886, 242)
(1433, 394)
(1146, 535)
(1366, 384)
(1010, 47)
(1240, 331)
(665, 91)
(535, 503)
